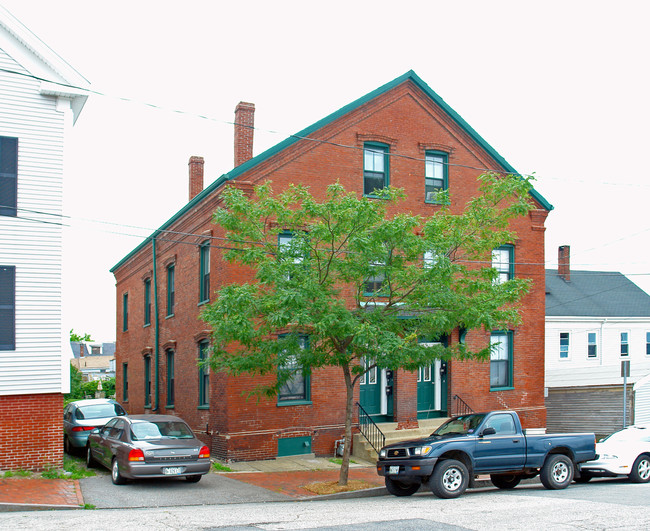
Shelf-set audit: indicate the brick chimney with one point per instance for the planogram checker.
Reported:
(244, 123)
(564, 262)
(196, 176)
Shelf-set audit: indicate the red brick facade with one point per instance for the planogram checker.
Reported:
(32, 431)
(402, 116)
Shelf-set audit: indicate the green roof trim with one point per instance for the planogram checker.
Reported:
(251, 163)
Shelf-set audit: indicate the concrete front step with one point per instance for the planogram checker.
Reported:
(361, 447)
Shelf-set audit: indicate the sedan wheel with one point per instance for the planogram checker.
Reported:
(90, 460)
(117, 478)
(641, 470)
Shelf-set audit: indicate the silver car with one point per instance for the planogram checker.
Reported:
(148, 446)
(83, 416)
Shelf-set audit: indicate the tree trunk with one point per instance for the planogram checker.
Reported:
(347, 445)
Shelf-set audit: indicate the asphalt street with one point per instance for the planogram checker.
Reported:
(596, 505)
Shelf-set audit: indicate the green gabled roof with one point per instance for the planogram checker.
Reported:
(251, 163)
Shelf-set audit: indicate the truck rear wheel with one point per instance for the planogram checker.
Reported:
(449, 479)
(398, 488)
(505, 481)
(557, 472)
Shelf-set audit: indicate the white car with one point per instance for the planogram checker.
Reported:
(623, 453)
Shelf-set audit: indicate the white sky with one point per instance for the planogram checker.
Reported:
(557, 88)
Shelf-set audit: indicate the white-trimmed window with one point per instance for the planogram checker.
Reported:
(564, 345)
(592, 345)
(625, 344)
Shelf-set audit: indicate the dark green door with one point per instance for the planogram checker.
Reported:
(373, 395)
(432, 390)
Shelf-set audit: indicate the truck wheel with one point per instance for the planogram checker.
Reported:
(505, 481)
(398, 488)
(640, 470)
(449, 479)
(557, 472)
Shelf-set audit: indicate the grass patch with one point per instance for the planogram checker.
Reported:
(17, 473)
(339, 461)
(220, 467)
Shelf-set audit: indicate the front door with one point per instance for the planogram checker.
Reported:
(375, 393)
(432, 390)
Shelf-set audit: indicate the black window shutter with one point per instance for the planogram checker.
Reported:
(7, 308)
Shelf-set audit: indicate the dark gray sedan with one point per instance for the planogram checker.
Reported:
(148, 446)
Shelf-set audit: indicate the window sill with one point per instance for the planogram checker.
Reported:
(146, 325)
(203, 407)
(294, 403)
(510, 388)
(169, 316)
(201, 303)
(169, 406)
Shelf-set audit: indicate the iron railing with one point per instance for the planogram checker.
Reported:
(370, 430)
(461, 407)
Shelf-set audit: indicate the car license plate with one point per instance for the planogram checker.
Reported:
(393, 469)
(172, 470)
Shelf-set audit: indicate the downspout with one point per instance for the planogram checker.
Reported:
(156, 327)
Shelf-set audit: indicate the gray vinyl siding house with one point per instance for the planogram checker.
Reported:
(596, 322)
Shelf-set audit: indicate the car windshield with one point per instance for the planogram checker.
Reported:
(462, 425)
(629, 434)
(160, 430)
(98, 411)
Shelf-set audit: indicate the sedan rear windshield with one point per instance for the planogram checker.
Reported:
(160, 430)
(98, 411)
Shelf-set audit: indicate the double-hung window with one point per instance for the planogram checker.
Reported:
(625, 346)
(375, 168)
(289, 252)
(147, 301)
(592, 345)
(170, 377)
(7, 308)
(204, 375)
(125, 382)
(503, 260)
(501, 362)
(564, 345)
(204, 272)
(374, 283)
(8, 176)
(125, 312)
(147, 381)
(171, 289)
(296, 386)
(435, 175)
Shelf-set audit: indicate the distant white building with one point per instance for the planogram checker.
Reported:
(596, 322)
(38, 105)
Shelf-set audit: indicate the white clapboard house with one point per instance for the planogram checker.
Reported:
(597, 325)
(41, 96)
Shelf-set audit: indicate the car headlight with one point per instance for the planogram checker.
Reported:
(382, 453)
(422, 450)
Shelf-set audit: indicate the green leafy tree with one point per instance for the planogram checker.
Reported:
(78, 337)
(347, 273)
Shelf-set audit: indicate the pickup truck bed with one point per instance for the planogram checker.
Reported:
(482, 443)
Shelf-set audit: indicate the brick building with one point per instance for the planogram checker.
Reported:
(402, 133)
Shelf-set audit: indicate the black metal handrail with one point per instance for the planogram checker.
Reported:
(462, 408)
(370, 430)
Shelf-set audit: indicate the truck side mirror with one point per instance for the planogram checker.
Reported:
(488, 431)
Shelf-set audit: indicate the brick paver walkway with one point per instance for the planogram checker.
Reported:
(37, 491)
(291, 483)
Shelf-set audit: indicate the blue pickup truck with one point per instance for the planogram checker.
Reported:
(483, 443)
